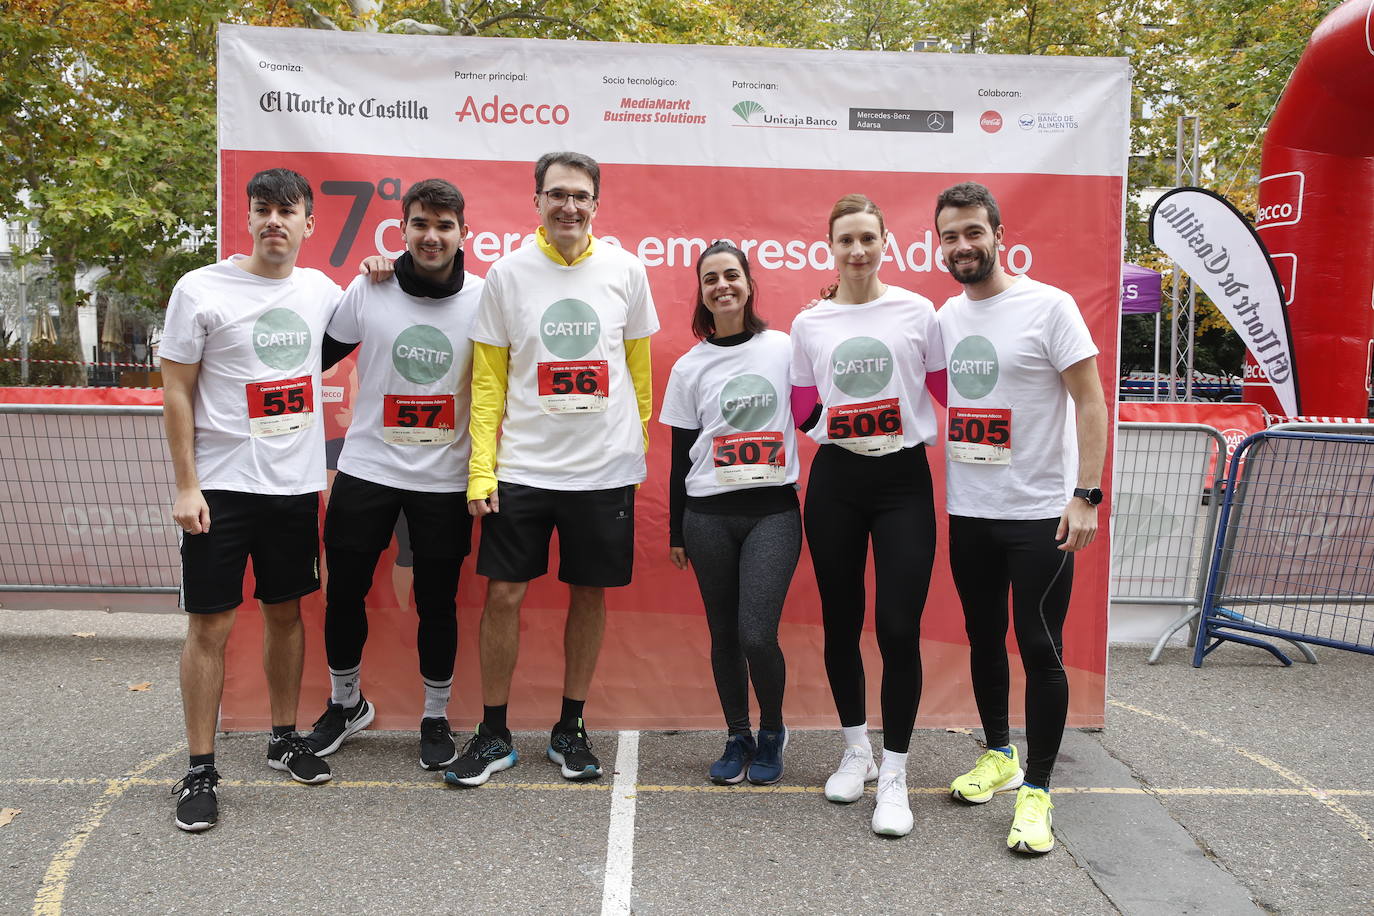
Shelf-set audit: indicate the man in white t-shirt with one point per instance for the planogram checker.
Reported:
(1026, 436)
(241, 367)
(406, 452)
(561, 371)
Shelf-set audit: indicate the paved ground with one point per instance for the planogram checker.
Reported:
(1234, 788)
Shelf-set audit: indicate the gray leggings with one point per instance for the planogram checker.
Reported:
(744, 564)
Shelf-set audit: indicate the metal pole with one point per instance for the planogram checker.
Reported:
(23, 325)
(1154, 383)
(1187, 170)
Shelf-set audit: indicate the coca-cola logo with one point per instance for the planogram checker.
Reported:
(990, 121)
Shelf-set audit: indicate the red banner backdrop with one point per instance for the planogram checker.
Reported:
(753, 145)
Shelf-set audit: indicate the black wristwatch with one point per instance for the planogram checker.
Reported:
(1092, 494)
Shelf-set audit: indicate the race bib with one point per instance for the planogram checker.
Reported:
(873, 428)
(574, 387)
(280, 407)
(418, 419)
(749, 459)
(979, 435)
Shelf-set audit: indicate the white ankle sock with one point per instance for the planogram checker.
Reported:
(855, 735)
(437, 695)
(344, 686)
(893, 762)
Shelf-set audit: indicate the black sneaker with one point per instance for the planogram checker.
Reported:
(337, 723)
(483, 755)
(437, 749)
(292, 754)
(569, 747)
(198, 808)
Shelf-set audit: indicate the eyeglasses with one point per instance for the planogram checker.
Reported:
(558, 197)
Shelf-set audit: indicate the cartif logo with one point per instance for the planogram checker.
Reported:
(747, 110)
(570, 328)
(990, 121)
(748, 402)
(281, 339)
(973, 367)
(861, 366)
(422, 354)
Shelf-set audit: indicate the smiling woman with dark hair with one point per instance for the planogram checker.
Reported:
(732, 493)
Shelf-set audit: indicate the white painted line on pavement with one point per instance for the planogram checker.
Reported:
(620, 838)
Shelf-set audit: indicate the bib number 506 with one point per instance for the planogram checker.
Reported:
(882, 422)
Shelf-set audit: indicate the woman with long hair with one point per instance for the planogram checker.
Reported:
(733, 509)
(860, 360)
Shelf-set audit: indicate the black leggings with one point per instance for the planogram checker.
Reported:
(849, 499)
(988, 557)
(345, 613)
(744, 564)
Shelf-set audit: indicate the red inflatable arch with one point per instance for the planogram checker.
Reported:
(1316, 214)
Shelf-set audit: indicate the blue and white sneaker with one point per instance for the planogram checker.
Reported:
(483, 755)
(767, 766)
(739, 752)
(570, 748)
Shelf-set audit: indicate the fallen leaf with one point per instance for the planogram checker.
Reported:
(143, 686)
(98, 659)
(84, 635)
(7, 815)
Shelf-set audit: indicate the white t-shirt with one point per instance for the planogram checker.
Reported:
(869, 364)
(739, 397)
(571, 421)
(258, 399)
(410, 416)
(1011, 449)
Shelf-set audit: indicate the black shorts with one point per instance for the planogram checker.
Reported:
(280, 533)
(596, 535)
(361, 517)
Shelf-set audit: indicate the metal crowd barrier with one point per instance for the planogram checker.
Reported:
(1295, 547)
(84, 493)
(1163, 516)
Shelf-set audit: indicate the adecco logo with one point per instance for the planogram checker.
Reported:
(990, 121)
(498, 112)
(1282, 197)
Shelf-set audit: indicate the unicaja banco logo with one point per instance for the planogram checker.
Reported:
(281, 339)
(748, 402)
(570, 328)
(747, 110)
(422, 354)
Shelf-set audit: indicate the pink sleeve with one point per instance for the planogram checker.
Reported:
(937, 383)
(804, 400)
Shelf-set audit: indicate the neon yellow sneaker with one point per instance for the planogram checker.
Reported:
(1032, 826)
(994, 772)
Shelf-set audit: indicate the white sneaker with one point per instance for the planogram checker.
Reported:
(846, 784)
(892, 815)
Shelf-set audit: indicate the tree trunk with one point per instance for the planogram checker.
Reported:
(69, 329)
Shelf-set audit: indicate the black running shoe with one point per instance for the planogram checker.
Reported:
(337, 723)
(569, 747)
(437, 749)
(483, 755)
(292, 754)
(198, 808)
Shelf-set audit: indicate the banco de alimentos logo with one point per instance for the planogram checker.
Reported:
(570, 328)
(747, 109)
(422, 354)
(748, 402)
(861, 366)
(973, 367)
(281, 338)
